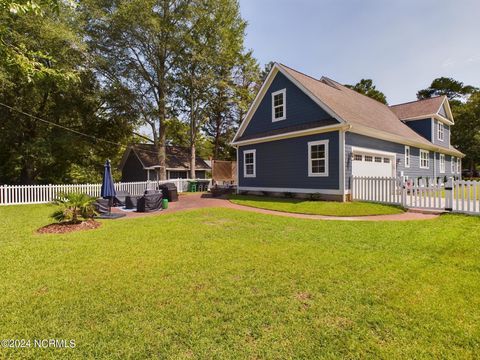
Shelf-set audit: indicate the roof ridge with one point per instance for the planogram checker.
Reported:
(418, 100)
(300, 72)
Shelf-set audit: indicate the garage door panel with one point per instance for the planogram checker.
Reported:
(376, 165)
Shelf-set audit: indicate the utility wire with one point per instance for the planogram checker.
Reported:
(66, 128)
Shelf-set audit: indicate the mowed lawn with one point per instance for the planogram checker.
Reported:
(219, 283)
(329, 208)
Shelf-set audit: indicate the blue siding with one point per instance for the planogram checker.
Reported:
(446, 135)
(284, 164)
(414, 171)
(300, 109)
(422, 127)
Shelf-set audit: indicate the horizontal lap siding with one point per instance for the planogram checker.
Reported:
(446, 135)
(300, 109)
(284, 164)
(422, 127)
(414, 171)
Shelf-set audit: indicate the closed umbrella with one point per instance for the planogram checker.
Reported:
(108, 187)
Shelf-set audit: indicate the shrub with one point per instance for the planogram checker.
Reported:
(72, 207)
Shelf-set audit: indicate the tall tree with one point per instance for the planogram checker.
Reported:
(366, 87)
(466, 132)
(63, 92)
(213, 46)
(455, 90)
(137, 46)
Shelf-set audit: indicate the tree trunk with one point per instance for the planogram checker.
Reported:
(162, 136)
(192, 161)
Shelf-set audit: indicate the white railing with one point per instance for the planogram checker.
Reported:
(466, 196)
(377, 189)
(422, 193)
(41, 194)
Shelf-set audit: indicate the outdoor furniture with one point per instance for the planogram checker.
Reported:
(202, 185)
(131, 202)
(219, 190)
(150, 202)
(102, 206)
(120, 197)
(169, 191)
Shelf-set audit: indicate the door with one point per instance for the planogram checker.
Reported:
(373, 164)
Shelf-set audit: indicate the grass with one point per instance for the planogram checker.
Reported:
(331, 208)
(219, 283)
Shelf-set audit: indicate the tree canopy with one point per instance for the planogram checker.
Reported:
(366, 87)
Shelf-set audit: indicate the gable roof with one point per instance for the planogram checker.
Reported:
(418, 109)
(359, 112)
(177, 157)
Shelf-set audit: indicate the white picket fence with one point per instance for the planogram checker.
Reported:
(434, 194)
(41, 194)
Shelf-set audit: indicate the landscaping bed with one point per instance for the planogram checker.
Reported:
(66, 227)
(328, 208)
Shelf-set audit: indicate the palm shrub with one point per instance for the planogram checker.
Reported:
(73, 206)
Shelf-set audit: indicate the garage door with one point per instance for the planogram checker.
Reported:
(373, 164)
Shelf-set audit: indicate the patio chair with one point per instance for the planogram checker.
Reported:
(150, 202)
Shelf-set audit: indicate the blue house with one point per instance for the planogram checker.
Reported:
(304, 135)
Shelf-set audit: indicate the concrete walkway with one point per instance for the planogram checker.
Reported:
(199, 201)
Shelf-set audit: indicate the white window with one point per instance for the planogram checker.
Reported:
(368, 158)
(424, 159)
(459, 165)
(452, 164)
(318, 158)
(440, 130)
(249, 163)
(357, 157)
(442, 163)
(279, 111)
(386, 160)
(407, 156)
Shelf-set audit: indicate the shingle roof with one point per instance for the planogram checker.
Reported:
(358, 109)
(418, 108)
(177, 157)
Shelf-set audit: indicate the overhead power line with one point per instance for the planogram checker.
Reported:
(96, 138)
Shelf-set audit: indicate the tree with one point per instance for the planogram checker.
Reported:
(466, 132)
(64, 93)
(366, 87)
(137, 45)
(213, 46)
(453, 89)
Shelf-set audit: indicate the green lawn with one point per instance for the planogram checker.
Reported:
(219, 283)
(331, 208)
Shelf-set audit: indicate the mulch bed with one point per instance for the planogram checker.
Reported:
(67, 227)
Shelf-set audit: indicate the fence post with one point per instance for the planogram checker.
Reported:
(403, 189)
(449, 195)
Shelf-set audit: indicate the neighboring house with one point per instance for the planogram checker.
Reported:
(140, 162)
(303, 135)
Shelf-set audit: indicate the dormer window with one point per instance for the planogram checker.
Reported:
(440, 130)
(278, 105)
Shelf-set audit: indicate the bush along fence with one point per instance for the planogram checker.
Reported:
(422, 193)
(41, 194)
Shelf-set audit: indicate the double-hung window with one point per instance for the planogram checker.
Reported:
(407, 156)
(249, 163)
(459, 165)
(424, 159)
(318, 158)
(442, 163)
(452, 164)
(440, 130)
(279, 110)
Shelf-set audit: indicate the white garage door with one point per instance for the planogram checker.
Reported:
(373, 164)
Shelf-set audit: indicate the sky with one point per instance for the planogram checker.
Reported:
(401, 44)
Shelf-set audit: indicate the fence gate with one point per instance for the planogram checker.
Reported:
(422, 193)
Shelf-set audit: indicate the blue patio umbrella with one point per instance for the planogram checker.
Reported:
(108, 188)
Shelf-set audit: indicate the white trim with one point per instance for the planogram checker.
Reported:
(429, 116)
(289, 135)
(268, 81)
(341, 165)
(442, 163)
(246, 152)
(459, 165)
(372, 151)
(378, 134)
(409, 157)
(453, 164)
(440, 131)
(292, 190)
(325, 158)
(428, 159)
(448, 111)
(283, 92)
